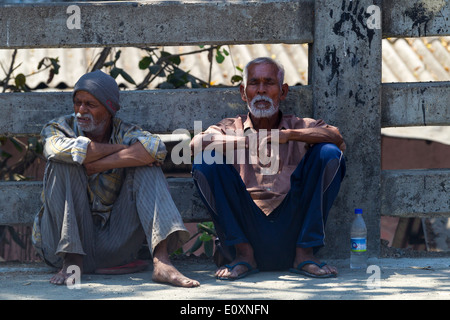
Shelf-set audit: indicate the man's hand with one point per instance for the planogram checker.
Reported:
(90, 168)
(97, 150)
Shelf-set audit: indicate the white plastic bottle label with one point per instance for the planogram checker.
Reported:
(359, 244)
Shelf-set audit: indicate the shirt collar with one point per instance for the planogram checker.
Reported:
(248, 124)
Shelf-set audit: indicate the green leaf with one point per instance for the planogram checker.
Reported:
(157, 69)
(16, 144)
(115, 72)
(166, 85)
(219, 57)
(127, 77)
(205, 237)
(209, 248)
(177, 252)
(209, 224)
(41, 63)
(55, 64)
(117, 56)
(207, 227)
(20, 80)
(197, 244)
(165, 54)
(145, 62)
(236, 78)
(51, 74)
(175, 60)
(5, 154)
(39, 147)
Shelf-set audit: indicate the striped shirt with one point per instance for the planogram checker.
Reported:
(65, 142)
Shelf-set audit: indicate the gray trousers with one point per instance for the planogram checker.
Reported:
(143, 209)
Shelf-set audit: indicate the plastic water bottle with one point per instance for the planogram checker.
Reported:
(358, 234)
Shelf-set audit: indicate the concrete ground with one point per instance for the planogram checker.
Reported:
(394, 279)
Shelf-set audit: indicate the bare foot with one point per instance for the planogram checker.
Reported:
(165, 272)
(70, 259)
(305, 254)
(244, 253)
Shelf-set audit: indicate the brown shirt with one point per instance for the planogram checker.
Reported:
(268, 182)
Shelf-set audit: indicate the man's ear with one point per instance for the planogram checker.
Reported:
(242, 90)
(284, 91)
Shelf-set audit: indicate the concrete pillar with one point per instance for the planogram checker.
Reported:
(346, 82)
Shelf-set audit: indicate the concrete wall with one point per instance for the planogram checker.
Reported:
(345, 86)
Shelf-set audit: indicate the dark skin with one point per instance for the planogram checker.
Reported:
(263, 80)
(102, 156)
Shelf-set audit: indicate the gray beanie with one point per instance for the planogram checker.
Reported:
(103, 87)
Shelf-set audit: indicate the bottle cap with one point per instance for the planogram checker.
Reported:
(358, 211)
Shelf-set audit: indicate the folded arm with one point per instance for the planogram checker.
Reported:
(314, 135)
(101, 157)
(217, 141)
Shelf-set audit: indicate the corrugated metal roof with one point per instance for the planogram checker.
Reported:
(403, 60)
(75, 62)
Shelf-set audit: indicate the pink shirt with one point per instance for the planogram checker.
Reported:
(268, 182)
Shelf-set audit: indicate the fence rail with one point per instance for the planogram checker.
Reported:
(156, 23)
(134, 23)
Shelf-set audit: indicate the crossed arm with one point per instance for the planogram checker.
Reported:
(101, 157)
(314, 135)
(327, 134)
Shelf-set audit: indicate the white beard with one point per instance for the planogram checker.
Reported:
(262, 113)
(92, 126)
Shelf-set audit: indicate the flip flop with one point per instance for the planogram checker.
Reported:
(132, 267)
(299, 270)
(250, 270)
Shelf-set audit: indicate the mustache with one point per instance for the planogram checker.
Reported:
(261, 98)
(87, 115)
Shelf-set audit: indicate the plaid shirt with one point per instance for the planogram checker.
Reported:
(64, 141)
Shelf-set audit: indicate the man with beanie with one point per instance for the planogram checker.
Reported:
(104, 192)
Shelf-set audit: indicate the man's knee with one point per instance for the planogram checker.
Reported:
(147, 171)
(150, 178)
(63, 167)
(327, 151)
(207, 163)
(60, 172)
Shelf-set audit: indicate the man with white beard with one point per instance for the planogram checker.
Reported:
(268, 219)
(104, 192)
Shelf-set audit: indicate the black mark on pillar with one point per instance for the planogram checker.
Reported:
(357, 16)
(420, 16)
(424, 113)
(331, 60)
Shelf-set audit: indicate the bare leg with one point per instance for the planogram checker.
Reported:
(244, 252)
(165, 272)
(304, 254)
(69, 259)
